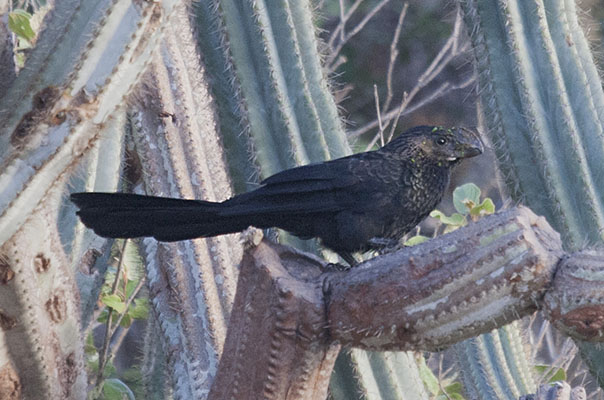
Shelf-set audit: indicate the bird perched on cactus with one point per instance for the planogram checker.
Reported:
(351, 204)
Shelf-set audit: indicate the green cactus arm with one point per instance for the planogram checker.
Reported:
(275, 66)
(491, 367)
(543, 103)
(376, 375)
(541, 108)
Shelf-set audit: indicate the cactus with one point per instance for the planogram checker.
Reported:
(424, 297)
(543, 103)
(232, 93)
(543, 106)
(52, 114)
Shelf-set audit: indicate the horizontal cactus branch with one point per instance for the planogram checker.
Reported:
(452, 288)
(292, 312)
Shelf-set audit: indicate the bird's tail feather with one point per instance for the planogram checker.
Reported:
(123, 215)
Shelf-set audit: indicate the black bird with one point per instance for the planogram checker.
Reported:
(353, 203)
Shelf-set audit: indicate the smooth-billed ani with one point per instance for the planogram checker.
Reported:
(351, 203)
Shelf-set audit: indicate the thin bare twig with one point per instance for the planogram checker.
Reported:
(107, 338)
(434, 69)
(344, 17)
(441, 377)
(394, 55)
(373, 142)
(137, 289)
(444, 57)
(337, 62)
(118, 342)
(345, 37)
(377, 109)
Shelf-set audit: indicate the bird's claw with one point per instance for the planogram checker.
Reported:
(383, 245)
(337, 267)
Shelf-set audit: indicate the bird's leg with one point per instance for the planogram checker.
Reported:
(349, 258)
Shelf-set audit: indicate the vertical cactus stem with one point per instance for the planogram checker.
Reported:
(578, 69)
(213, 42)
(188, 378)
(551, 106)
(41, 303)
(185, 160)
(269, 30)
(571, 116)
(513, 350)
(270, 70)
(498, 97)
(323, 101)
(482, 373)
(207, 161)
(543, 103)
(153, 365)
(296, 82)
(579, 47)
(363, 373)
(531, 81)
(254, 79)
(396, 375)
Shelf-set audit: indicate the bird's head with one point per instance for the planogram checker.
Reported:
(441, 145)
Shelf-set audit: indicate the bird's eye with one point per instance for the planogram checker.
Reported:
(441, 141)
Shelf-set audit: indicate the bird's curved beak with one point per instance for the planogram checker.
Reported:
(469, 143)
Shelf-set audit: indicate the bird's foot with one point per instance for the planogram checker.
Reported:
(349, 258)
(337, 267)
(384, 245)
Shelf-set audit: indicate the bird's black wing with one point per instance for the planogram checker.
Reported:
(311, 189)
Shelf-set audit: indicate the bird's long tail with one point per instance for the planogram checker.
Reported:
(123, 215)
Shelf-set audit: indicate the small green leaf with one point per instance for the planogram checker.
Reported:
(140, 309)
(485, 208)
(417, 239)
(126, 321)
(551, 374)
(89, 348)
(92, 365)
(114, 301)
(114, 389)
(454, 391)
(465, 197)
(18, 22)
(110, 369)
(455, 219)
(103, 316)
(130, 286)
